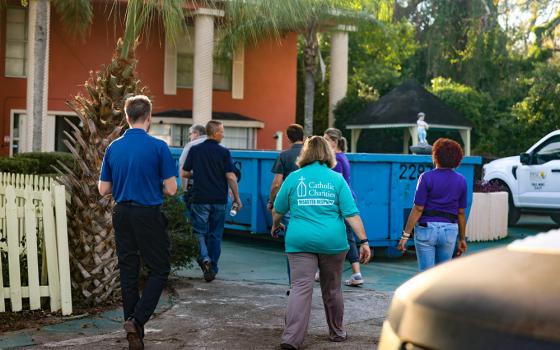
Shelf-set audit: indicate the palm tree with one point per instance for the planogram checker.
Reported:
(94, 265)
(270, 19)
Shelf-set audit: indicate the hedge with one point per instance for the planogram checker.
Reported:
(36, 163)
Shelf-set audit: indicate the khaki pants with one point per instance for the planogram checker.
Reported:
(303, 267)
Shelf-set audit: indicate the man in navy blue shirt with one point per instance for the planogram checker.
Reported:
(138, 170)
(210, 166)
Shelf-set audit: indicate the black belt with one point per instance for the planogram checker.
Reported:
(440, 214)
(134, 204)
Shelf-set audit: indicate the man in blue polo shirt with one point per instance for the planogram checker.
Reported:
(210, 166)
(138, 170)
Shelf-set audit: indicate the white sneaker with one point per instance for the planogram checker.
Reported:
(317, 279)
(354, 281)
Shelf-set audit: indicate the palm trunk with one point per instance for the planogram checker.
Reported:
(37, 80)
(308, 104)
(310, 62)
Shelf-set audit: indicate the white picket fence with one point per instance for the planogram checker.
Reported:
(33, 221)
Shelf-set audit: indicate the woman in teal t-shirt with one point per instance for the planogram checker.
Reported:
(319, 200)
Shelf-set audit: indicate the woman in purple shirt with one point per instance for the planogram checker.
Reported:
(438, 215)
(338, 144)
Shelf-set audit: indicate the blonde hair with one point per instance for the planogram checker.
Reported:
(336, 135)
(316, 149)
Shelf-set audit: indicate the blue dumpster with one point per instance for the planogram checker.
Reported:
(384, 185)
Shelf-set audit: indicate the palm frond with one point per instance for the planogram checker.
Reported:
(252, 21)
(141, 14)
(76, 15)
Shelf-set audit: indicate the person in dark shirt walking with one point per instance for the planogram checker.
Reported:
(138, 170)
(286, 161)
(211, 167)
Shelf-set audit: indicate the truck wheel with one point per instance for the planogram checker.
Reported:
(514, 213)
(555, 218)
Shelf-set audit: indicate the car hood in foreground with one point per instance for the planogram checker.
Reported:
(505, 298)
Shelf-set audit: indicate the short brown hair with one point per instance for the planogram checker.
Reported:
(295, 133)
(212, 126)
(138, 108)
(316, 149)
(447, 153)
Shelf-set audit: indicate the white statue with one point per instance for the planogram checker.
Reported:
(422, 126)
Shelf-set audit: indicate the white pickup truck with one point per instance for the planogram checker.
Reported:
(532, 179)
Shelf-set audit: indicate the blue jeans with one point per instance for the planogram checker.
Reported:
(352, 256)
(208, 226)
(434, 243)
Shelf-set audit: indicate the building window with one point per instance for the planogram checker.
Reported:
(18, 129)
(161, 131)
(239, 138)
(180, 134)
(16, 42)
(61, 128)
(177, 135)
(185, 65)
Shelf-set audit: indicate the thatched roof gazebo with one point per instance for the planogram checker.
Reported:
(399, 109)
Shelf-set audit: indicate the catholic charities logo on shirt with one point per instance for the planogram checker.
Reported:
(315, 193)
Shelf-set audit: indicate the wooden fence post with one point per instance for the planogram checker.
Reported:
(51, 250)
(63, 254)
(31, 246)
(13, 249)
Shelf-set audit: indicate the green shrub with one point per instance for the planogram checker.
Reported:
(184, 245)
(47, 160)
(19, 165)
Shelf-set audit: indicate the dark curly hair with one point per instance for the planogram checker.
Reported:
(447, 153)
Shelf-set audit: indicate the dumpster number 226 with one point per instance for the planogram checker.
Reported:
(413, 171)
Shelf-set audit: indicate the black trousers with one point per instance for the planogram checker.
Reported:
(141, 232)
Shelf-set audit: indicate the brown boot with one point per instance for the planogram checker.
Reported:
(134, 334)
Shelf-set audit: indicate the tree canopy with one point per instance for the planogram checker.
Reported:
(496, 61)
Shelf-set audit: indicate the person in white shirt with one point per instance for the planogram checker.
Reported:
(422, 127)
(197, 135)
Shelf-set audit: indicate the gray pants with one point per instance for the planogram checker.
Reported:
(303, 267)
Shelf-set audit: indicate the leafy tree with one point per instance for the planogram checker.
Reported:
(476, 106)
(539, 112)
(377, 54)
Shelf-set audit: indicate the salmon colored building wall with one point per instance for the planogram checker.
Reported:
(269, 81)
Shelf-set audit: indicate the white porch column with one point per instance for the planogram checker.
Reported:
(203, 64)
(37, 75)
(406, 139)
(466, 136)
(339, 67)
(413, 134)
(355, 136)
